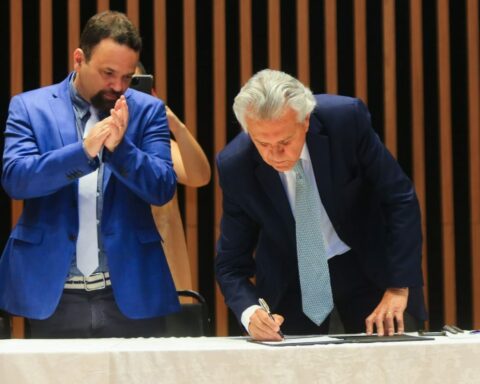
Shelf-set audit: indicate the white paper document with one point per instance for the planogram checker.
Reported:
(301, 340)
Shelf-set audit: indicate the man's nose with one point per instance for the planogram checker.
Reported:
(276, 151)
(117, 85)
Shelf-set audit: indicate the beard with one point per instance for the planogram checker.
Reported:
(100, 102)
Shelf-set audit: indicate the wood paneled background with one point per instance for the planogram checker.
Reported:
(415, 63)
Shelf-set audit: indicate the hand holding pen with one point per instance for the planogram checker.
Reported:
(265, 327)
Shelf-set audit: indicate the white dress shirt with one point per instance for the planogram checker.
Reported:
(334, 245)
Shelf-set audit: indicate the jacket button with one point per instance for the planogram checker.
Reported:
(72, 237)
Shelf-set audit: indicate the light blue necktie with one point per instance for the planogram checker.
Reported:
(87, 241)
(317, 298)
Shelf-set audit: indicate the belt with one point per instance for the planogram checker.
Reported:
(90, 283)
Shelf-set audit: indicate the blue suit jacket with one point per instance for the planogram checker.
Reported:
(369, 200)
(43, 160)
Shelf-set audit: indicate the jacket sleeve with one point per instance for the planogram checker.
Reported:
(30, 171)
(234, 263)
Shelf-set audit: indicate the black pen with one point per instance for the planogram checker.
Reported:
(266, 308)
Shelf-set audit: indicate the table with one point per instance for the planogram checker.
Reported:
(234, 360)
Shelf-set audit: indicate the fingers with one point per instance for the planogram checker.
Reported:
(121, 103)
(96, 138)
(110, 131)
(384, 323)
(262, 327)
(400, 323)
(120, 110)
(369, 324)
(389, 326)
(388, 312)
(279, 319)
(118, 121)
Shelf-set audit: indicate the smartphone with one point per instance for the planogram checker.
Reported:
(142, 83)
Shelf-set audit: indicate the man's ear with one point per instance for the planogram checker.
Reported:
(78, 58)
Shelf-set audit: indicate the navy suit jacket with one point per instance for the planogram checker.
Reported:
(42, 162)
(369, 200)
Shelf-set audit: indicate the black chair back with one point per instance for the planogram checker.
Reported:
(193, 319)
(4, 326)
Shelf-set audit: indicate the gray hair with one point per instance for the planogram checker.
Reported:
(266, 95)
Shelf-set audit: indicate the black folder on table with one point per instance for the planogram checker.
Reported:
(380, 339)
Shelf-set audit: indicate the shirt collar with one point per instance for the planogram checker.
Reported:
(79, 103)
(304, 157)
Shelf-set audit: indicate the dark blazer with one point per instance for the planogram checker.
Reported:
(369, 200)
(42, 162)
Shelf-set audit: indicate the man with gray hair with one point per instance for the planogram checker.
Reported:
(319, 212)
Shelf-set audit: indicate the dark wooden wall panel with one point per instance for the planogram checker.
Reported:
(274, 34)
(389, 76)
(448, 230)
(331, 65)
(16, 86)
(160, 47)
(102, 5)
(73, 29)
(360, 31)
(190, 97)
(220, 137)
(245, 40)
(384, 53)
(133, 12)
(474, 149)
(418, 122)
(46, 49)
(303, 42)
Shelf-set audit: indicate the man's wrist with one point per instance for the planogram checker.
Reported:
(247, 314)
(398, 290)
(90, 157)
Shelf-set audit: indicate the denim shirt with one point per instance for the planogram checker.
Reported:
(82, 114)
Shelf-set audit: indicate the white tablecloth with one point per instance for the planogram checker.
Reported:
(234, 360)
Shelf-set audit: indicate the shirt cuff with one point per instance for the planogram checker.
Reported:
(246, 314)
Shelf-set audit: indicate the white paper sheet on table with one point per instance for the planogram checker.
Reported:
(302, 340)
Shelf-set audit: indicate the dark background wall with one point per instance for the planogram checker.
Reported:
(414, 62)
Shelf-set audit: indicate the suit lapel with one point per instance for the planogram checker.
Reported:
(273, 188)
(107, 172)
(62, 109)
(319, 149)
